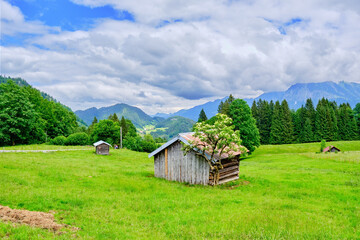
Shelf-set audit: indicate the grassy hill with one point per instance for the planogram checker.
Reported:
(284, 192)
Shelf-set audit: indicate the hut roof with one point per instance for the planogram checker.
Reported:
(327, 149)
(101, 142)
(186, 138)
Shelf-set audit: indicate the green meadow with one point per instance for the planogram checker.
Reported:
(284, 192)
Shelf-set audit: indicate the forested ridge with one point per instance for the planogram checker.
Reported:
(29, 116)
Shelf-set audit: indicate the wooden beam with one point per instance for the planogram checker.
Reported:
(228, 179)
(229, 174)
(166, 162)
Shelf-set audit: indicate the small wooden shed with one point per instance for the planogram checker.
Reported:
(171, 163)
(331, 149)
(102, 148)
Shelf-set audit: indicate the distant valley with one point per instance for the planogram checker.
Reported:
(156, 126)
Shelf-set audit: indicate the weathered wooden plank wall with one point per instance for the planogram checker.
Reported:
(190, 168)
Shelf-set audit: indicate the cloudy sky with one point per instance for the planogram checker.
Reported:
(164, 55)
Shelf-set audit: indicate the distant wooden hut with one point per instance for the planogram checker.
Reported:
(102, 148)
(171, 163)
(331, 149)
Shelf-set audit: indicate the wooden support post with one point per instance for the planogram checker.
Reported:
(120, 137)
(166, 162)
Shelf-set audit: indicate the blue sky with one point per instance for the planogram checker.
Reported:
(68, 15)
(63, 14)
(165, 55)
(282, 26)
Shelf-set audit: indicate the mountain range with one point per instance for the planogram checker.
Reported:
(211, 109)
(295, 95)
(137, 116)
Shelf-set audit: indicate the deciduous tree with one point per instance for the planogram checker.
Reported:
(215, 139)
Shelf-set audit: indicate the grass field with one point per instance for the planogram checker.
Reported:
(291, 192)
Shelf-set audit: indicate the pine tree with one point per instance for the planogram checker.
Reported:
(288, 134)
(202, 116)
(322, 121)
(92, 125)
(298, 122)
(356, 112)
(310, 112)
(277, 129)
(243, 121)
(114, 118)
(347, 123)
(272, 106)
(266, 118)
(224, 107)
(262, 113)
(255, 111)
(94, 121)
(326, 126)
(333, 124)
(124, 126)
(220, 107)
(307, 132)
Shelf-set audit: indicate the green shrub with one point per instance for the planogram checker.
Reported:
(139, 144)
(322, 145)
(133, 143)
(59, 140)
(79, 138)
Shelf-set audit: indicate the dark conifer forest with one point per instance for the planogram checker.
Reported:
(278, 124)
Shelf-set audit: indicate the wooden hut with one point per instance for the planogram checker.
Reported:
(171, 163)
(102, 148)
(331, 149)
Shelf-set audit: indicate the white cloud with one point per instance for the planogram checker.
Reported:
(13, 22)
(219, 47)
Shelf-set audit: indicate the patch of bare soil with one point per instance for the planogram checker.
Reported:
(31, 218)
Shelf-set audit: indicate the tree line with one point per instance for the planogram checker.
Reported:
(278, 124)
(274, 123)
